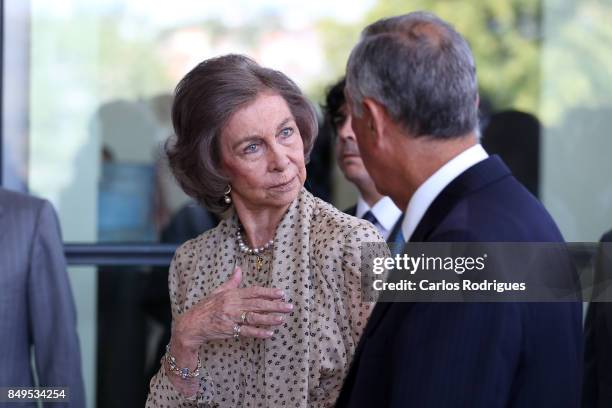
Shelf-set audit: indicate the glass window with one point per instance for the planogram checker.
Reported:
(87, 90)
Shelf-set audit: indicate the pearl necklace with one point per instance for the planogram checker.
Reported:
(244, 248)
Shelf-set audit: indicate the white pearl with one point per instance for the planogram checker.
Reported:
(245, 248)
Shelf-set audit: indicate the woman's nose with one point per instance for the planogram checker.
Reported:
(278, 159)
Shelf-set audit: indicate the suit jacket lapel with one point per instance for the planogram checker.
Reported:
(1, 214)
(5, 224)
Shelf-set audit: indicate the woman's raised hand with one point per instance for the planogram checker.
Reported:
(254, 310)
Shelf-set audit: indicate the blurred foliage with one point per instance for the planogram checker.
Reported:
(121, 66)
(540, 56)
(577, 58)
(506, 38)
(129, 67)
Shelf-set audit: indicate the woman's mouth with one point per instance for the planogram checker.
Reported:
(286, 186)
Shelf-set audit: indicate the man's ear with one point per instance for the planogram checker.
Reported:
(377, 117)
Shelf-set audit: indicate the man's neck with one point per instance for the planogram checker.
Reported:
(369, 193)
(425, 158)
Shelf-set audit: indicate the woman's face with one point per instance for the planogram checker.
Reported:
(262, 153)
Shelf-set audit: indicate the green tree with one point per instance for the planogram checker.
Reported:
(545, 57)
(504, 36)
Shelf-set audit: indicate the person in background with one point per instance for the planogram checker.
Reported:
(371, 205)
(37, 312)
(515, 137)
(597, 391)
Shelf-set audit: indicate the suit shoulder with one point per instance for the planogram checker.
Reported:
(501, 211)
(25, 211)
(17, 201)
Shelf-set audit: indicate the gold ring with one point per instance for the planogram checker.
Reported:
(243, 317)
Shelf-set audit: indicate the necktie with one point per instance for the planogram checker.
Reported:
(399, 243)
(368, 216)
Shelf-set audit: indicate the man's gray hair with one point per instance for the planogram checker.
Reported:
(421, 70)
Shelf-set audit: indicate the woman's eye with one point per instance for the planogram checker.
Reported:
(286, 132)
(252, 148)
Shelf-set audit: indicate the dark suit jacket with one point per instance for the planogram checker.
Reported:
(472, 355)
(36, 305)
(352, 210)
(597, 392)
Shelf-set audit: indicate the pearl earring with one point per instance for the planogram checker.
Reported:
(226, 197)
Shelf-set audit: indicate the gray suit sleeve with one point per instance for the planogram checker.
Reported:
(52, 313)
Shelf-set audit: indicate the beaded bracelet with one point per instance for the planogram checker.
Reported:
(185, 373)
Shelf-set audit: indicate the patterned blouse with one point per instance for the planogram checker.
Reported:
(316, 261)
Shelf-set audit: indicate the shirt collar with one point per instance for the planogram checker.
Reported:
(433, 186)
(362, 207)
(385, 211)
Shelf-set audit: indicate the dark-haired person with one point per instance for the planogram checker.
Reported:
(515, 137)
(266, 306)
(37, 312)
(412, 90)
(597, 391)
(371, 205)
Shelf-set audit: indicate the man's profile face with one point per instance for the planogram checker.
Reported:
(364, 137)
(347, 150)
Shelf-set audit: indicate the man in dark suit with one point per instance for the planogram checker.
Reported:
(37, 313)
(412, 91)
(597, 392)
(371, 205)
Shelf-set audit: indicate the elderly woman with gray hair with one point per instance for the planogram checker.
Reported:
(266, 307)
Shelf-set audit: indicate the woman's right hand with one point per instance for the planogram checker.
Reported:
(215, 316)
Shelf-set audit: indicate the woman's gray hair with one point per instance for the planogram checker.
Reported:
(421, 70)
(204, 101)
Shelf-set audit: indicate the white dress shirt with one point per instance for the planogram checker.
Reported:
(385, 211)
(433, 186)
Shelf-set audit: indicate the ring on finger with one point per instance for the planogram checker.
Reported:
(244, 317)
(236, 329)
